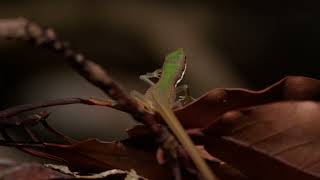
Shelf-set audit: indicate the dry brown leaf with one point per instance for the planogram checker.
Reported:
(273, 141)
(205, 110)
(255, 115)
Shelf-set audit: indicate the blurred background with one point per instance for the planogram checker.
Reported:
(228, 43)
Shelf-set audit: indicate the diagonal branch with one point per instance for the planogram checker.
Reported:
(21, 28)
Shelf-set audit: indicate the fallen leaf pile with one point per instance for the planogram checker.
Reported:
(273, 133)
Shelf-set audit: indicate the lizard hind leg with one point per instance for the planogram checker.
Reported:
(141, 100)
(183, 95)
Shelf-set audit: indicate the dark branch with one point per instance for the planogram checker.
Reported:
(45, 37)
(21, 28)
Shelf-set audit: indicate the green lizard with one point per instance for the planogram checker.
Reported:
(161, 96)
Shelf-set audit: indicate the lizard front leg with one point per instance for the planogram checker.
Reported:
(147, 77)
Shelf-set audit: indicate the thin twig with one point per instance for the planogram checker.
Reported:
(32, 134)
(12, 111)
(6, 136)
(28, 107)
(20, 144)
(176, 170)
(18, 120)
(57, 133)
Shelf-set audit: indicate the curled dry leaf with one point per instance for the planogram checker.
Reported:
(205, 110)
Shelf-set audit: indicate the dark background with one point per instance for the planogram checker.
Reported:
(228, 44)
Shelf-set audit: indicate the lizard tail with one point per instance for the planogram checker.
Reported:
(185, 140)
